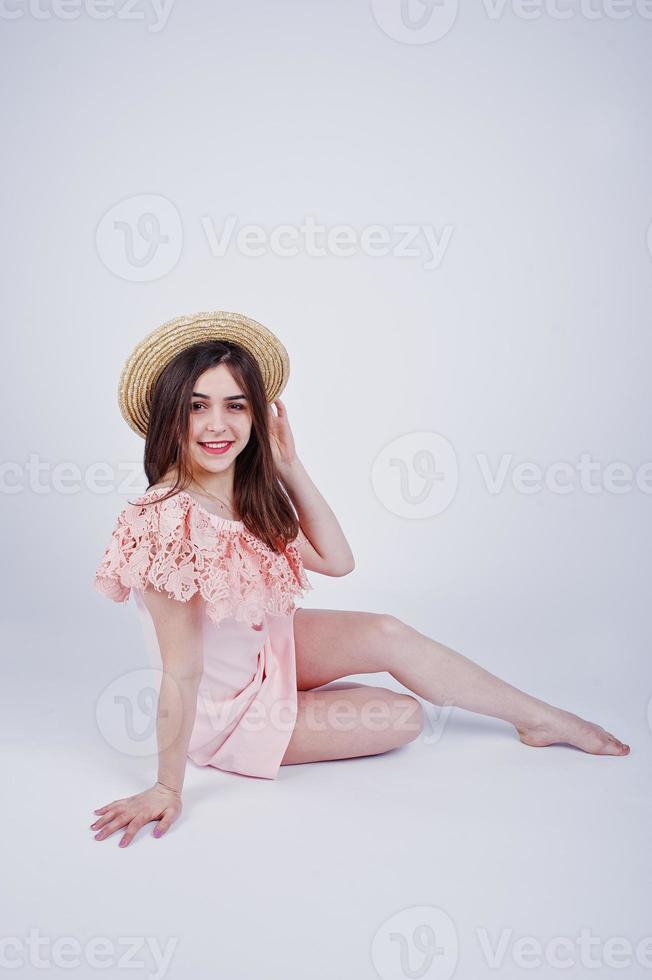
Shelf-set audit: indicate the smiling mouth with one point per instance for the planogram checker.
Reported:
(216, 448)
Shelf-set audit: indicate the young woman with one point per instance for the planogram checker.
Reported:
(215, 552)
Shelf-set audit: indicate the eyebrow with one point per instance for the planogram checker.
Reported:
(230, 398)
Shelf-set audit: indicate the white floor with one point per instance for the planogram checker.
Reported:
(463, 853)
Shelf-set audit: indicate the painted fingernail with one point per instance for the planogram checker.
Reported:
(157, 833)
(122, 842)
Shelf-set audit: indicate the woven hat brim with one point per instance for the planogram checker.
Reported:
(148, 359)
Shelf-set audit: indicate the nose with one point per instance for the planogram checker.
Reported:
(215, 423)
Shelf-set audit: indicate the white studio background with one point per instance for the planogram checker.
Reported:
(451, 216)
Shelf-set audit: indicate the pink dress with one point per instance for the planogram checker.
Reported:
(247, 698)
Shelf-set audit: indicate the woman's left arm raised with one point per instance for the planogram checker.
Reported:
(326, 549)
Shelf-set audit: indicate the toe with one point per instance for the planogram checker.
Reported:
(615, 746)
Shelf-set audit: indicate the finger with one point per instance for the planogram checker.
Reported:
(111, 828)
(133, 829)
(101, 821)
(102, 809)
(112, 803)
(164, 824)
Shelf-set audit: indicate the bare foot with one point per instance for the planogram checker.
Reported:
(564, 726)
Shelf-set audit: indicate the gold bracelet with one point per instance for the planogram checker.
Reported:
(159, 783)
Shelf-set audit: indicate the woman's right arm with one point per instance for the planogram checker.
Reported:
(179, 633)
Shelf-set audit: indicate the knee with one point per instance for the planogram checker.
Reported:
(388, 625)
(388, 640)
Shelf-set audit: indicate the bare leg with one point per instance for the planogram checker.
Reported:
(444, 676)
(318, 736)
(332, 643)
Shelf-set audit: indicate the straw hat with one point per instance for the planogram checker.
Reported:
(156, 350)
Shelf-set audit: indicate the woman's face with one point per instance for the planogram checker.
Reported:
(219, 412)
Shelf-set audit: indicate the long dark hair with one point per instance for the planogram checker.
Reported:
(261, 501)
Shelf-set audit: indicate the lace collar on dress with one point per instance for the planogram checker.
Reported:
(179, 547)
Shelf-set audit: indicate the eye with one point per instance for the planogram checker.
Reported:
(237, 405)
(196, 405)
